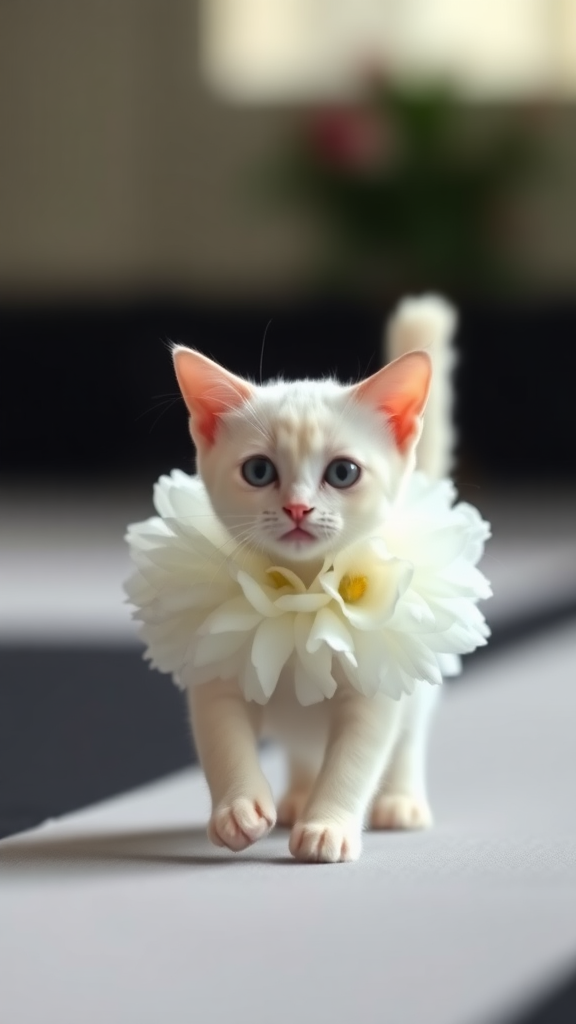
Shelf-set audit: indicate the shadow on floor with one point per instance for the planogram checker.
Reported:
(177, 846)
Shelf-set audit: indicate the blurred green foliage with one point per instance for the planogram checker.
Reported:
(405, 192)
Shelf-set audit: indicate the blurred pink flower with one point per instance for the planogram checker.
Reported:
(350, 139)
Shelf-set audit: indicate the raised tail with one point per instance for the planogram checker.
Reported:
(429, 323)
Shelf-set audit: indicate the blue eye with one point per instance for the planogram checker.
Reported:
(259, 471)
(342, 473)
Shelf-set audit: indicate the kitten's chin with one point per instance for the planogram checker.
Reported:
(298, 546)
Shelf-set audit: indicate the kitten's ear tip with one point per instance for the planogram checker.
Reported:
(180, 352)
(417, 366)
(419, 355)
(400, 390)
(208, 390)
(426, 363)
(183, 361)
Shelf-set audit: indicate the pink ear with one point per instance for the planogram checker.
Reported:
(400, 391)
(208, 390)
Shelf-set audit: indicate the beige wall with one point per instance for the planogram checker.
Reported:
(119, 173)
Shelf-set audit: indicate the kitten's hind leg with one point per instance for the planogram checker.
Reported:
(401, 801)
(225, 728)
(300, 782)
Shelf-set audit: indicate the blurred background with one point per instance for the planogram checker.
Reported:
(202, 173)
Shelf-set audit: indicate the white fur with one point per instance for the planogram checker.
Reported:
(302, 426)
(353, 761)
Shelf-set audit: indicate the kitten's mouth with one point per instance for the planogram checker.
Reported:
(297, 534)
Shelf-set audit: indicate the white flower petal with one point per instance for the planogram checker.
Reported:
(396, 682)
(233, 616)
(210, 649)
(318, 664)
(149, 534)
(449, 665)
(301, 602)
(441, 546)
(371, 655)
(137, 589)
(328, 628)
(169, 558)
(414, 615)
(179, 626)
(273, 644)
(250, 684)
(386, 582)
(291, 578)
(349, 670)
(414, 657)
(307, 687)
(416, 611)
(189, 675)
(198, 596)
(258, 596)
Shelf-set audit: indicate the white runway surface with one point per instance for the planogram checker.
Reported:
(124, 913)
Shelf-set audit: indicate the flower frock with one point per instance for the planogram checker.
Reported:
(392, 609)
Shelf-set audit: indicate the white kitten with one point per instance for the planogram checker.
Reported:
(297, 470)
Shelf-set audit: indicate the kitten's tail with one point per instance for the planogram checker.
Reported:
(429, 323)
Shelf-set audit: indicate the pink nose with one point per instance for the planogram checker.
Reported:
(297, 512)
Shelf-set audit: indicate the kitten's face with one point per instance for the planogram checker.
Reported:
(297, 470)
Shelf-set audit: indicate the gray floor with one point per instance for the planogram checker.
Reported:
(124, 912)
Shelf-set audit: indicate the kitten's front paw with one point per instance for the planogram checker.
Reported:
(240, 823)
(325, 843)
(400, 811)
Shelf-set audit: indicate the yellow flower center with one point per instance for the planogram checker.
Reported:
(352, 588)
(278, 579)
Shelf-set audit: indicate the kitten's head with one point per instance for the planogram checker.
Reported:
(304, 468)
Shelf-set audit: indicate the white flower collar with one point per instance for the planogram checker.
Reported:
(383, 613)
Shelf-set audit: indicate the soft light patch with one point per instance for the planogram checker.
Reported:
(352, 588)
